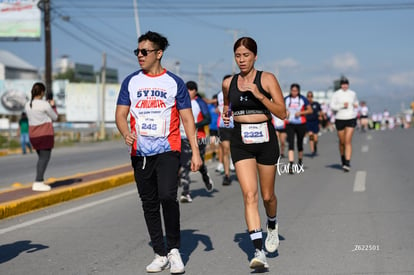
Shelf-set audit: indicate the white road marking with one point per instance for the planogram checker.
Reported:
(369, 137)
(364, 148)
(65, 212)
(360, 181)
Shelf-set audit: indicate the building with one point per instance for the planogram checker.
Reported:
(13, 67)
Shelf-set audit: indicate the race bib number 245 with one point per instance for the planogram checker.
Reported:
(148, 126)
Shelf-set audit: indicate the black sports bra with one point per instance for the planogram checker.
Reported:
(245, 103)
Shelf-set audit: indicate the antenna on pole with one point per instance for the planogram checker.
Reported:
(136, 18)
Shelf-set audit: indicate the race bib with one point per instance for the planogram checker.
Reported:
(149, 126)
(255, 133)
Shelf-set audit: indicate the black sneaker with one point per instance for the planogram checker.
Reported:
(346, 166)
(209, 184)
(290, 169)
(226, 180)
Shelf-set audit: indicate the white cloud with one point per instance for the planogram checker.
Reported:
(344, 62)
(404, 79)
(287, 63)
(320, 81)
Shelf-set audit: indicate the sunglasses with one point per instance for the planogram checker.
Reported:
(144, 51)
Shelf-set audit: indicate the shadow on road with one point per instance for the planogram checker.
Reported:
(11, 251)
(189, 242)
(334, 166)
(245, 244)
(65, 182)
(202, 192)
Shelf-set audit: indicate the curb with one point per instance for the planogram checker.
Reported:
(8, 152)
(62, 194)
(59, 195)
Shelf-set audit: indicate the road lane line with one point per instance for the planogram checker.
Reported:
(360, 181)
(369, 137)
(65, 212)
(364, 148)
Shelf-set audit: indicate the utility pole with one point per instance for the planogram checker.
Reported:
(136, 18)
(235, 35)
(103, 79)
(48, 49)
(201, 79)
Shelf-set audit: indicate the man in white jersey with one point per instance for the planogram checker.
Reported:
(156, 99)
(344, 102)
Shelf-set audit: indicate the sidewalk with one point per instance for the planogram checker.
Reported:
(20, 200)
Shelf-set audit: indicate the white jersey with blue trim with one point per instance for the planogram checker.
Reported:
(154, 103)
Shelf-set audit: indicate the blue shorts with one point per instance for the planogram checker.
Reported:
(312, 126)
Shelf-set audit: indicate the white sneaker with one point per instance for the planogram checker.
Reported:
(232, 166)
(220, 168)
(259, 260)
(272, 239)
(40, 186)
(186, 198)
(158, 264)
(177, 266)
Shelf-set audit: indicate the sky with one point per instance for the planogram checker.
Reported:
(310, 42)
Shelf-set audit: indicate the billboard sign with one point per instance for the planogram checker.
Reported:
(84, 102)
(20, 20)
(15, 93)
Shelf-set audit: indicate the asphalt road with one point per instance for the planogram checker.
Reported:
(330, 222)
(65, 161)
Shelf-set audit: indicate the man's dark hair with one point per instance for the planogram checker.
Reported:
(156, 38)
(344, 80)
(192, 85)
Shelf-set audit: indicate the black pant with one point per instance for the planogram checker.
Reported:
(42, 162)
(156, 179)
(300, 131)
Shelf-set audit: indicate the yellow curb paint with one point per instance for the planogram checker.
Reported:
(17, 184)
(53, 180)
(61, 194)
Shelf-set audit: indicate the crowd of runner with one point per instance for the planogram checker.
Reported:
(247, 127)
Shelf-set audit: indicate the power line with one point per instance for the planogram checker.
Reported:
(226, 9)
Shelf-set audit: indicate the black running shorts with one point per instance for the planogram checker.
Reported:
(341, 124)
(266, 153)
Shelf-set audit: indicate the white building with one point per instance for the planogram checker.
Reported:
(13, 67)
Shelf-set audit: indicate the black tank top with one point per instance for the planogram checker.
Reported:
(245, 103)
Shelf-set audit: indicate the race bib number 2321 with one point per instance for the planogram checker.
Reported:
(255, 133)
